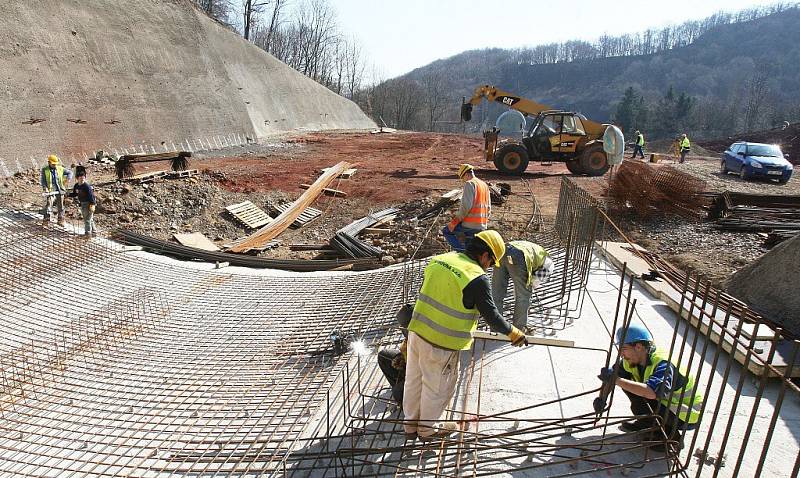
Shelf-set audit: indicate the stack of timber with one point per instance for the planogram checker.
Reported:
(286, 218)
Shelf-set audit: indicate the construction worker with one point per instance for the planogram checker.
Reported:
(54, 179)
(473, 213)
(85, 194)
(655, 387)
(685, 147)
(393, 361)
(638, 147)
(528, 265)
(455, 291)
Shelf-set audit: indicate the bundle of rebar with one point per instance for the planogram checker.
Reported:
(741, 212)
(346, 242)
(647, 190)
(178, 161)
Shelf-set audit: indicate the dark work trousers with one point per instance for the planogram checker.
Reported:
(643, 406)
(637, 149)
(395, 377)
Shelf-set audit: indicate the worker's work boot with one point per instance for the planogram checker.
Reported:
(636, 425)
(60, 221)
(45, 221)
(410, 436)
(443, 430)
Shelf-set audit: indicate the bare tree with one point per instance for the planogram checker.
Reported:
(433, 85)
(756, 93)
(251, 9)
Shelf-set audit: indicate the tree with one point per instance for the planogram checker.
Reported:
(251, 9)
(625, 114)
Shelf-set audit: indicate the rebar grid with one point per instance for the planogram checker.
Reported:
(229, 375)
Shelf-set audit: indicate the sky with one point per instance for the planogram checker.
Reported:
(400, 35)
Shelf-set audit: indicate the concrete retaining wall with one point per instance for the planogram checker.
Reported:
(150, 75)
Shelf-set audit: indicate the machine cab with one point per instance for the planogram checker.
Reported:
(555, 132)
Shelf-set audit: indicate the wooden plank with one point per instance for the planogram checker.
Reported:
(532, 339)
(196, 240)
(286, 218)
(328, 191)
(347, 174)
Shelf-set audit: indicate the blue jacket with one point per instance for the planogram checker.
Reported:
(84, 193)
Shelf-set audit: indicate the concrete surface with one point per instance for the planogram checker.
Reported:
(143, 76)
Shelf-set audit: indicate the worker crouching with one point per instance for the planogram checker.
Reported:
(455, 290)
(656, 388)
(473, 212)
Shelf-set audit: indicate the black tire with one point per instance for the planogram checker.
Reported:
(593, 160)
(574, 166)
(743, 174)
(512, 159)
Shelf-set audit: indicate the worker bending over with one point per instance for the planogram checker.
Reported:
(528, 265)
(455, 290)
(473, 213)
(654, 386)
(54, 180)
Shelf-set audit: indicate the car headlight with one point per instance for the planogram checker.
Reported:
(755, 164)
(789, 167)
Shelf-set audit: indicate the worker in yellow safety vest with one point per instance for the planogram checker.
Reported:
(455, 291)
(528, 265)
(656, 388)
(638, 146)
(685, 147)
(473, 213)
(54, 180)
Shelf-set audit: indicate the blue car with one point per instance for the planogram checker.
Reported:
(752, 160)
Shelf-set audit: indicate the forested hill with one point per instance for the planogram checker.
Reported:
(731, 77)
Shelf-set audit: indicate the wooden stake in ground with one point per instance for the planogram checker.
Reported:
(285, 219)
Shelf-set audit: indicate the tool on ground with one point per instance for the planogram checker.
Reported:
(532, 339)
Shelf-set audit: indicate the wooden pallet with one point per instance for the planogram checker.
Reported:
(249, 214)
(308, 215)
(183, 174)
(346, 174)
(148, 177)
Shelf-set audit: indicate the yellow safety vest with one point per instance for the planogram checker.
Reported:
(439, 314)
(640, 140)
(59, 177)
(534, 256)
(686, 401)
(685, 144)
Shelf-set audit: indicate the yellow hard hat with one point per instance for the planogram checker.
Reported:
(52, 159)
(495, 243)
(462, 170)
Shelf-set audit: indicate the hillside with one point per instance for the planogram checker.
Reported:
(158, 75)
(717, 69)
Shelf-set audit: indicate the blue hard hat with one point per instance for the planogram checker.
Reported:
(636, 333)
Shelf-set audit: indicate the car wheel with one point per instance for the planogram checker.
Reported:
(743, 173)
(783, 180)
(723, 168)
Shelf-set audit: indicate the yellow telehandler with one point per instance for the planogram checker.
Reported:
(553, 135)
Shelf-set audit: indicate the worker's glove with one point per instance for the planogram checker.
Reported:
(517, 337)
(599, 405)
(91, 207)
(451, 226)
(606, 374)
(399, 362)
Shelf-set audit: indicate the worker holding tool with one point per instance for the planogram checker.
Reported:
(528, 265)
(655, 387)
(54, 179)
(85, 194)
(638, 146)
(473, 213)
(455, 290)
(685, 147)
(393, 361)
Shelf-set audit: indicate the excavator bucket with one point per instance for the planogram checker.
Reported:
(466, 111)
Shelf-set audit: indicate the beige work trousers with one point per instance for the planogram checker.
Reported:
(431, 375)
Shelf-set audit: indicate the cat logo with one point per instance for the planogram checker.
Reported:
(508, 100)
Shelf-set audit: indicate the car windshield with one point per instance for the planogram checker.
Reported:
(764, 150)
